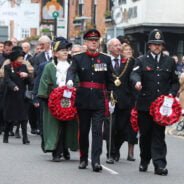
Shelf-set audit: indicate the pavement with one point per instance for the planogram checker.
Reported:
(175, 130)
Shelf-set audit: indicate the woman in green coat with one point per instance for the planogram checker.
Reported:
(57, 136)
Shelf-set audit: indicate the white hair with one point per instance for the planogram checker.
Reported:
(109, 43)
(44, 39)
(27, 44)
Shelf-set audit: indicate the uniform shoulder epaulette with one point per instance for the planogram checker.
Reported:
(106, 54)
(140, 57)
(80, 52)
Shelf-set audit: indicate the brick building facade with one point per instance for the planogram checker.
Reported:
(85, 14)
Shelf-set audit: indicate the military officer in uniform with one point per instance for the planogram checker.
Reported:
(93, 70)
(153, 75)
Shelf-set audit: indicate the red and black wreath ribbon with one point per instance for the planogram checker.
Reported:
(165, 120)
(60, 112)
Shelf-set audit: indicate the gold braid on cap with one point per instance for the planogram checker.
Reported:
(56, 45)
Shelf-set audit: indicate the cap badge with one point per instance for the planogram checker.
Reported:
(157, 36)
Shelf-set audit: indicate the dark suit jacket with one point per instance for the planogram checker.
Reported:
(28, 57)
(124, 93)
(38, 77)
(40, 58)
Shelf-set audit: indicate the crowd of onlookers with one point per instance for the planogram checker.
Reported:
(32, 57)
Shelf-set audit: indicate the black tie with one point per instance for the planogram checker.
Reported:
(156, 58)
(116, 66)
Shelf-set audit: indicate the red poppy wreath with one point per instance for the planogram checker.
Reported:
(134, 119)
(165, 110)
(62, 103)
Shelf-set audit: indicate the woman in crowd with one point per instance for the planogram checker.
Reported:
(57, 136)
(127, 53)
(15, 106)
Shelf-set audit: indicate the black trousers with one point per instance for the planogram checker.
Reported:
(61, 146)
(33, 116)
(9, 125)
(88, 118)
(152, 141)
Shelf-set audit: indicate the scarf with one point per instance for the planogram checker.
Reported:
(15, 64)
(61, 72)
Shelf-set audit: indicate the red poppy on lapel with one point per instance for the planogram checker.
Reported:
(98, 61)
(148, 68)
(124, 60)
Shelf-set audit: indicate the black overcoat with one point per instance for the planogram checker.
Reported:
(15, 105)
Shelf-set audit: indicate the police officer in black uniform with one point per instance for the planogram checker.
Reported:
(93, 70)
(153, 75)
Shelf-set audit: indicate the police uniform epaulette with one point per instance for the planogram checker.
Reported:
(106, 54)
(140, 57)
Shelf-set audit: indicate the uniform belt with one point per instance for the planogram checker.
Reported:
(92, 85)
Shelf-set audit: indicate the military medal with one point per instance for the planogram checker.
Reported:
(100, 67)
(117, 82)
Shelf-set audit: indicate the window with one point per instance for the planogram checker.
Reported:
(25, 33)
(109, 5)
(94, 11)
(122, 2)
(80, 8)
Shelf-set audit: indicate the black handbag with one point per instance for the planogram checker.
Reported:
(28, 94)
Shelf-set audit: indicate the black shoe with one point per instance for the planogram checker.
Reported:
(83, 165)
(34, 131)
(5, 139)
(66, 155)
(38, 132)
(143, 167)
(25, 141)
(97, 167)
(110, 160)
(56, 159)
(11, 133)
(17, 135)
(161, 171)
(130, 158)
(117, 156)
